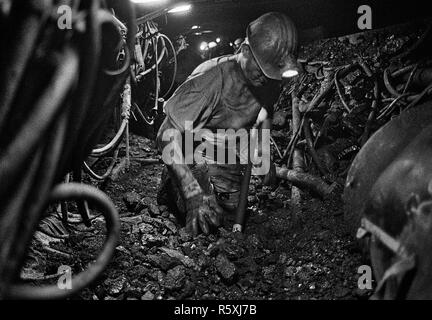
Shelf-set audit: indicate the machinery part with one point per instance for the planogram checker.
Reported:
(405, 262)
(156, 49)
(392, 168)
(376, 155)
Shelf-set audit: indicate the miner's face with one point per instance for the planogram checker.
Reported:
(251, 69)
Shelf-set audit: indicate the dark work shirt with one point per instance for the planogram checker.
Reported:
(218, 96)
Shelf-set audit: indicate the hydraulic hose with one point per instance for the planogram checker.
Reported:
(49, 126)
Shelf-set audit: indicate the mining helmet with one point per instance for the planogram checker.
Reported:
(238, 42)
(273, 42)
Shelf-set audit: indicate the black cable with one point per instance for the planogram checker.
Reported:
(47, 128)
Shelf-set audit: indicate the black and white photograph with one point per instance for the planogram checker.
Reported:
(215, 156)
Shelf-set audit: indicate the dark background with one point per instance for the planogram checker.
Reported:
(315, 18)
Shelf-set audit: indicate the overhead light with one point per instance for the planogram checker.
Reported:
(212, 45)
(180, 8)
(218, 40)
(231, 44)
(290, 74)
(204, 46)
(195, 27)
(147, 1)
(198, 33)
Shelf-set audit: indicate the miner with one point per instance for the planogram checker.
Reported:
(230, 92)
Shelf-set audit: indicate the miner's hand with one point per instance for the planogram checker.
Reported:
(203, 213)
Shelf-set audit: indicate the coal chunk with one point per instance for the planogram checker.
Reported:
(163, 261)
(225, 268)
(133, 202)
(175, 278)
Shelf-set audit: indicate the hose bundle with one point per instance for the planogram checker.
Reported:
(154, 52)
(57, 89)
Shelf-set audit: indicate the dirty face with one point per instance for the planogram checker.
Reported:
(251, 69)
